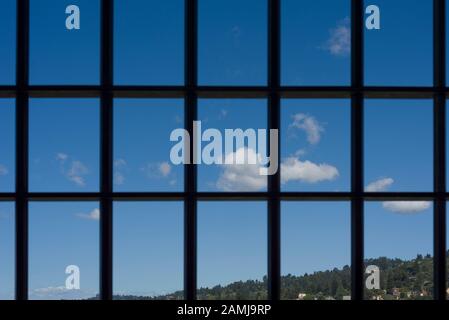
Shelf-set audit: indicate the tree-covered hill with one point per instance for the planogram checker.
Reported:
(399, 279)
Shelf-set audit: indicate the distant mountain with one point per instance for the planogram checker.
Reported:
(399, 279)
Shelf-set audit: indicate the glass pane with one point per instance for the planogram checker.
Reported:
(8, 36)
(399, 244)
(7, 145)
(316, 42)
(59, 55)
(399, 145)
(315, 145)
(148, 250)
(232, 251)
(316, 251)
(222, 115)
(142, 129)
(232, 42)
(401, 52)
(7, 250)
(64, 145)
(64, 250)
(149, 42)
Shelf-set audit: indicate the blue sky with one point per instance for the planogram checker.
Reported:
(155, 230)
(315, 141)
(232, 242)
(142, 49)
(315, 47)
(136, 124)
(64, 145)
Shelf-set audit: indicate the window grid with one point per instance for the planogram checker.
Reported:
(106, 91)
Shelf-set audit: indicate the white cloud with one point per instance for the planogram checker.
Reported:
(59, 293)
(61, 156)
(246, 177)
(379, 185)
(93, 215)
(3, 170)
(76, 171)
(50, 290)
(339, 42)
(120, 163)
(119, 176)
(223, 114)
(403, 207)
(309, 125)
(178, 119)
(406, 206)
(241, 177)
(165, 169)
(161, 170)
(293, 169)
(300, 153)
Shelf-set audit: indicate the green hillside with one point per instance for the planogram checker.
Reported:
(399, 280)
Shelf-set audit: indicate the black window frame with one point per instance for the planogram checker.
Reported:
(357, 92)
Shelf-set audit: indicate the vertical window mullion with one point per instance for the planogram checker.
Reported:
(106, 145)
(357, 130)
(21, 197)
(274, 215)
(439, 233)
(190, 178)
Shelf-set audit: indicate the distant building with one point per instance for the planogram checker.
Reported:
(346, 297)
(301, 296)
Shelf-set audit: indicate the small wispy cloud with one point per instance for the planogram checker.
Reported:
(309, 125)
(178, 119)
(223, 114)
(379, 185)
(339, 42)
(76, 173)
(48, 290)
(60, 293)
(120, 165)
(74, 170)
(119, 178)
(164, 169)
(300, 153)
(3, 170)
(61, 156)
(161, 170)
(406, 207)
(93, 215)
